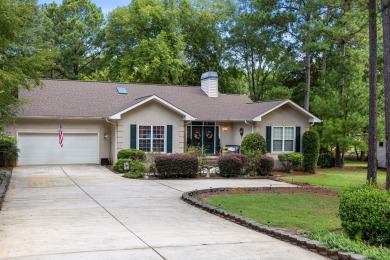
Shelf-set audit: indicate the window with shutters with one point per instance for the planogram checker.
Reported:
(151, 138)
(283, 139)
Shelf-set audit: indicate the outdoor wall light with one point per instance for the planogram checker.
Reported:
(241, 131)
(224, 128)
(105, 135)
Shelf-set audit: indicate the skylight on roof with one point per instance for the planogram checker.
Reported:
(121, 90)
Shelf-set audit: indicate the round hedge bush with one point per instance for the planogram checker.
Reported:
(365, 214)
(326, 160)
(230, 165)
(133, 154)
(310, 150)
(266, 165)
(118, 166)
(253, 142)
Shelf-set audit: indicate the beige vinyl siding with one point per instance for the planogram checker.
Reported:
(283, 116)
(152, 113)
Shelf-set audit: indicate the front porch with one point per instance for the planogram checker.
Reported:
(210, 137)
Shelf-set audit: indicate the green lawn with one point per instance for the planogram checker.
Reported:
(311, 212)
(354, 173)
(306, 211)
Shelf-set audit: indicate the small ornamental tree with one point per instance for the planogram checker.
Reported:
(310, 150)
(253, 142)
(8, 150)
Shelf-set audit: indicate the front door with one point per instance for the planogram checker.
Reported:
(197, 136)
(208, 139)
(203, 137)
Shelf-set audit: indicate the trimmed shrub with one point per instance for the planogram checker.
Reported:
(257, 164)
(137, 170)
(326, 160)
(177, 166)
(8, 150)
(230, 165)
(119, 165)
(252, 163)
(365, 214)
(134, 175)
(253, 142)
(241, 157)
(310, 150)
(133, 154)
(291, 161)
(266, 165)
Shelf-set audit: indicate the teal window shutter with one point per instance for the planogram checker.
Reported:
(268, 138)
(298, 139)
(133, 136)
(169, 138)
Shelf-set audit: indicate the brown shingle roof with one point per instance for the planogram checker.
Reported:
(66, 98)
(251, 110)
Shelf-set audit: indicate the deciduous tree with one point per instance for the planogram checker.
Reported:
(23, 54)
(75, 29)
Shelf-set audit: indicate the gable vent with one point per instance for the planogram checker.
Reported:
(121, 90)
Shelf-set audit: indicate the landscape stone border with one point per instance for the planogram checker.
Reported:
(4, 186)
(312, 245)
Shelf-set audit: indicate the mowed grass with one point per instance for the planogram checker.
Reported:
(353, 173)
(310, 212)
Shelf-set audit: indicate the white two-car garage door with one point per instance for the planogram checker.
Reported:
(38, 149)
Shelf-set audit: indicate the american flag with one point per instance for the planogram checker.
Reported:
(61, 136)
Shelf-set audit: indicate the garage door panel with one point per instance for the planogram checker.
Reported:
(38, 149)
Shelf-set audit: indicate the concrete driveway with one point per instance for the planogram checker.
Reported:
(87, 212)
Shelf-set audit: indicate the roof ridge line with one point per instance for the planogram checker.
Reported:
(119, 82)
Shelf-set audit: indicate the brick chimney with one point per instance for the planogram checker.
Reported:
(209, 83)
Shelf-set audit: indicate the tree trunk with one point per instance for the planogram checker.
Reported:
(386, 74)
(323, 69)
(338, 159)
(373, 107)
(357, 153)
(362, 157)
(308, 86)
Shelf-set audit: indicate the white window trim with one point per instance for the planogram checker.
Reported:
(283, 140)
(151, 137)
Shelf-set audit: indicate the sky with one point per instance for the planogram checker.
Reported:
(106, 5)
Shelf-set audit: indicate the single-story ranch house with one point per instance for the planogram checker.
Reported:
(100, 118)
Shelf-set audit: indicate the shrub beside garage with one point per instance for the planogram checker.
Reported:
(130, 162)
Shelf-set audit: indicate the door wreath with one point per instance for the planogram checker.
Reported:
(197, 135)
(209, 134)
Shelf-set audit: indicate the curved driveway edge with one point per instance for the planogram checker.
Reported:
(88, 212)
(312, 245)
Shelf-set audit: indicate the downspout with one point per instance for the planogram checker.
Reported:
(115, 138)
(246, 122)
